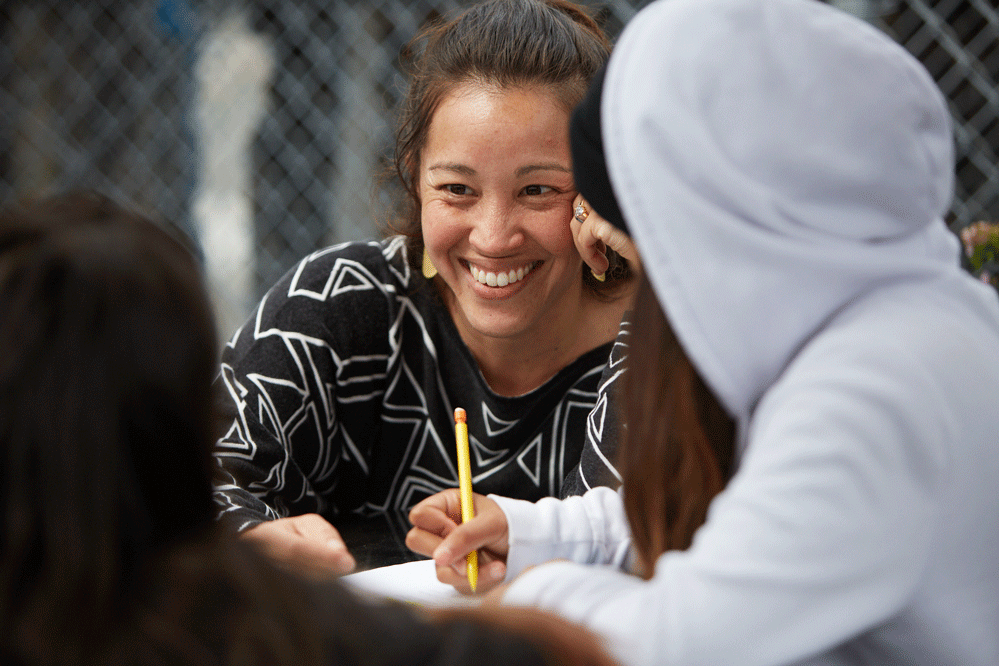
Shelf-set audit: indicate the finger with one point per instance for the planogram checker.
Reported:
(318, 530)
(324, 543)
(456, 576)
(321, 560)
(586, 241)
(314, 527)
(439, 517)
(589, 232)
(421, 541)
(457, 580)
(480, 532)
(615, 239)
(446, 503)
(590, 248)
(596, 260)
(491, 575)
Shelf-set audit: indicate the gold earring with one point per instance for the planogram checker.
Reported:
(600, 277)
(429, 270)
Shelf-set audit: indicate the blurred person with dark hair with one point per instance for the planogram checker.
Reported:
(109, 550)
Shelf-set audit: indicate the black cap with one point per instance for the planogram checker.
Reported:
(588, 165)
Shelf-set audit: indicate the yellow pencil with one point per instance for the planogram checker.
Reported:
(465, 485)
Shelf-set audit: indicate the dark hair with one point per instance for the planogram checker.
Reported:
(677, 449)
(504, 43)
(107, 353)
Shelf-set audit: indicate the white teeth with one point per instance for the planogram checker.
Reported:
(500, 279)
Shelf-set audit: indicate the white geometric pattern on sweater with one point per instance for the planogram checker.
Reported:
(340, 401)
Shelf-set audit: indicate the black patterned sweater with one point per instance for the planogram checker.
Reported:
(339, 394)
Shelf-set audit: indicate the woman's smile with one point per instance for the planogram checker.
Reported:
(500, 278)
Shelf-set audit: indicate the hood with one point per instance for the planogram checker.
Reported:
(775, 160)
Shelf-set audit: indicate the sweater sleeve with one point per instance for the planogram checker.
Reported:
(590, 529)
(315, 345)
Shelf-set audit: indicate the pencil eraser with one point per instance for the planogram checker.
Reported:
(459, 415)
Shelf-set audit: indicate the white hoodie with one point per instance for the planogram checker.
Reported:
(784, 168)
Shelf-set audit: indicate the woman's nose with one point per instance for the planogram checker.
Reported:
(496, 231)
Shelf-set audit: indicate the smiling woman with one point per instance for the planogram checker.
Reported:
(496, 190)
(342, 385)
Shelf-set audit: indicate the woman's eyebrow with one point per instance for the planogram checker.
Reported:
(521, 171)
(449, 166)
(549, 166)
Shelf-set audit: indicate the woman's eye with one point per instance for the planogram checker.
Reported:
(456, 189)
(535, 190)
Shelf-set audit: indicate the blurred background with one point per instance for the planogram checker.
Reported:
(260, 128)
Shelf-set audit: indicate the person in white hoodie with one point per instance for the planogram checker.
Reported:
(784, 169)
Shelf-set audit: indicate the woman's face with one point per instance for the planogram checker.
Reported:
(496, 189)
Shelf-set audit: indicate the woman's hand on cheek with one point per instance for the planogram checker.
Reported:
(593, 234)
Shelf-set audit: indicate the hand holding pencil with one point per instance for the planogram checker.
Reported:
(439, 533)
(444, 528)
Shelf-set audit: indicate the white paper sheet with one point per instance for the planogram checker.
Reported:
(413, 582)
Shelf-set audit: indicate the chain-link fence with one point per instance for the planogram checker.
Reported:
(272, 118)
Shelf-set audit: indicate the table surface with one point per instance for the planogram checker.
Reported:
(377, 540)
